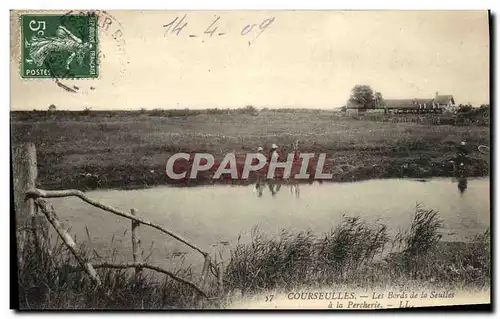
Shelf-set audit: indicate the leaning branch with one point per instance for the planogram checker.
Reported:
(152, 267)
(50, 213)
(82, 196)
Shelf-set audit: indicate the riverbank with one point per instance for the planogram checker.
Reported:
(133, 177)
(130, 150)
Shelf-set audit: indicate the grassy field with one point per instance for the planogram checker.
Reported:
(130, 149)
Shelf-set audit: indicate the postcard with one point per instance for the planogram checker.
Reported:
(322, 160)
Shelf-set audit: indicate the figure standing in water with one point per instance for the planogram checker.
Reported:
(462, 152)
(461, 166)
(259, 185)
(461, 159)
(274, 152)
(462, 184)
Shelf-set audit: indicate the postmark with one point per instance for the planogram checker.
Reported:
(59, 46)
(109, 28)
(111, 46)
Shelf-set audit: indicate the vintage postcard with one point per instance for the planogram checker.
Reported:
(327, 160)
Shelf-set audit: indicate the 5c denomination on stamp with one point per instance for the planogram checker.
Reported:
(59, 46)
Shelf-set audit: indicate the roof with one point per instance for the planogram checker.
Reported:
(411, 103)
(444, 99)
(406, 103)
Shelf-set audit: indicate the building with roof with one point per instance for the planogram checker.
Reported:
(438, 104)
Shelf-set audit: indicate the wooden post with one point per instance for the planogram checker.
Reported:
(24, 171)
(136, 243)
(219, 279)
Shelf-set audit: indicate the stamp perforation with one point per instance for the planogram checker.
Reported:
(54, 47)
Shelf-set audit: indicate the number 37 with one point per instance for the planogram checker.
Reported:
(37, 26)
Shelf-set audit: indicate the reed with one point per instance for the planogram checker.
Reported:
(355, 253)
(56, 282)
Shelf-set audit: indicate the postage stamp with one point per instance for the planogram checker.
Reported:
(59, 46)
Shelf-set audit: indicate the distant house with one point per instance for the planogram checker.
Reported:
(446, 102)
(438, 104)
(352, 108)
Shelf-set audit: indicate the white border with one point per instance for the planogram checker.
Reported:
(191, 5)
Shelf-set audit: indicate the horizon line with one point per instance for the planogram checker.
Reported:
(180, 108)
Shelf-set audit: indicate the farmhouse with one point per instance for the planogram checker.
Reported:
(438, 104)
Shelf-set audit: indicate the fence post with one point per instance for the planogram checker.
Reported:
(24, 173)
(220, 282)
(136, 243)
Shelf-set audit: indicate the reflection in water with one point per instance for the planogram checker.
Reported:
(274, 188)
(295, 190)
(259, 188)
(465, 213)
(462, 184)
(461, 174)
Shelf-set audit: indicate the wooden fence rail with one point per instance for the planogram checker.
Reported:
(72, 192)
(29, 198)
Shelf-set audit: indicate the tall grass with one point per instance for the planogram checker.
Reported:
(305, 259)
(357, 253)
(421, 239)
(56, 282)
(351, 245)
(269, 263)
(354, 253)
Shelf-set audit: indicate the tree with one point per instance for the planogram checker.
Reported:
(250, 109)
(379, 100)
(464, 108)
(52, 108)
(86, 110)
(362, 96)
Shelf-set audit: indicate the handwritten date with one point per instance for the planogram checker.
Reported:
(252, 31)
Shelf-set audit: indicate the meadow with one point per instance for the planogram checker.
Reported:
(129, 149)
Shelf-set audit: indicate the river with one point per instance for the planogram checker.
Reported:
(213, 217)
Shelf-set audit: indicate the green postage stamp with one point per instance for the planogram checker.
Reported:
(59, 46)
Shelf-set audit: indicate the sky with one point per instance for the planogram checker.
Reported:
(303, 59)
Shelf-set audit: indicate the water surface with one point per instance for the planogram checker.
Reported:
(213, 217)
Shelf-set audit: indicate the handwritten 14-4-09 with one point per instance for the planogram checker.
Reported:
(252, 30)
